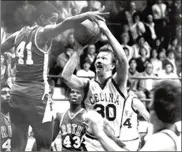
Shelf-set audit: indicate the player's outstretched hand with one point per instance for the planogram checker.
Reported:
(91, 15)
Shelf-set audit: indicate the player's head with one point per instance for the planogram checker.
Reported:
(5, 96)
(105, 61)
(46, 14)
(166, 104)
(75, 97)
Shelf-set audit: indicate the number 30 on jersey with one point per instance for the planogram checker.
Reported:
(20, 53)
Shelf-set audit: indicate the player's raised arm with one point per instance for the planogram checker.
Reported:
(69, 78)
(122, 64)
(51, 31)
(9, 43)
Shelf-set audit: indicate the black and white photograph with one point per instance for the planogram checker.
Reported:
(91, 75)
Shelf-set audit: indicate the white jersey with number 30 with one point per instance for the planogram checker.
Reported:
(107, 100)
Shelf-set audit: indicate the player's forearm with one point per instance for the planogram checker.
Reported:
(107, 143)
(117, 48)
(70, 66)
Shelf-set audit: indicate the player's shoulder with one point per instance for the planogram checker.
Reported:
(59, 115)
(159, 142)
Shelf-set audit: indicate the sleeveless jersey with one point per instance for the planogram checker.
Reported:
(175, 138)
(31, 61)
(6, 133)
(108, 101)
(129, 129)
(72, 131)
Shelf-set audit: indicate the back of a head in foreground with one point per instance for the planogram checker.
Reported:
(167, 101)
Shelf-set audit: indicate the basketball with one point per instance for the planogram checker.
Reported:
(87, 32)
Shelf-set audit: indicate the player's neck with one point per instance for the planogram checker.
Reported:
(74, 108)
(161, 126)
(102, 78)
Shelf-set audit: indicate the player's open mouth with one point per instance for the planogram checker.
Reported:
(99, 66)
(74, 99)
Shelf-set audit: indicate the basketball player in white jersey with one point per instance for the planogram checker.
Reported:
(71, 125)
(165, 111)
(107, 93)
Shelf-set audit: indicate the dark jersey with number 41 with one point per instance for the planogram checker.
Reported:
(72, 131)
(6, 133)
(31, 60)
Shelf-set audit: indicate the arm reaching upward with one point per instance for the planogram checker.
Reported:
(122, 64)
(69, 78)
(51, 31)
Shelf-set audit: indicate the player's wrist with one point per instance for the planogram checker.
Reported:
(100, 134)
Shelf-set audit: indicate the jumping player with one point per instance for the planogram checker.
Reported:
(165, 111)
(106, 94)
(6, 132)
(71, 124)
(29, 99)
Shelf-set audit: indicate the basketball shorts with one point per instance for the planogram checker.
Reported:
(26, 110)
(28, 105)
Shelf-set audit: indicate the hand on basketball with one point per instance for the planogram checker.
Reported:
(102, 25)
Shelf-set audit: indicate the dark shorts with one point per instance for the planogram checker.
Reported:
(28, 106)
(26, 110)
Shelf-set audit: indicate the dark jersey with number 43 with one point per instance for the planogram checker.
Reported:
(6, 133)
(72, 131)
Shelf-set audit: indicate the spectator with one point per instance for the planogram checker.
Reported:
(89, 55)
(168, 71)
(159, 12)
(157, 64)
(142, 60)
(177, 53)
(162, 55)
(70, 40)
(129, 13)
(151, 34)
(64, 57)
(175, 15)
(170, 58)
(137, 28)
(133, 73)
(141, 43)
(173, 45)
(158, 45)
(124, 44)
(85, 72)
(146, 85)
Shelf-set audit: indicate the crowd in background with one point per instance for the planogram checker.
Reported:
(149, 32)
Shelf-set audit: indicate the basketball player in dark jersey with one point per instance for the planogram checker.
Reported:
(71, 124)
(6, 132)
(165, 112)
(30, 104)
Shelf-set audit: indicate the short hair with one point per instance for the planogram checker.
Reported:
(108, 48)
(46, 9)
(169, 51)
(132, 59)
(169, 63)
(167, 101)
